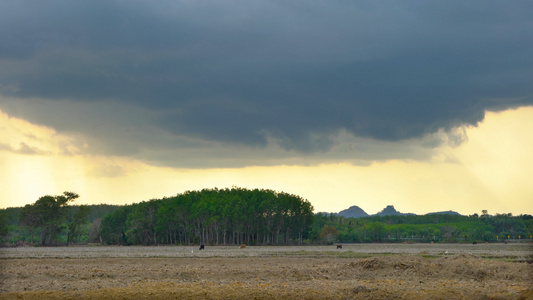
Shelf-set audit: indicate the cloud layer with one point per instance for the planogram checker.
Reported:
(216, 82)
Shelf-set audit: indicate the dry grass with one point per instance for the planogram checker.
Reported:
(268, 272)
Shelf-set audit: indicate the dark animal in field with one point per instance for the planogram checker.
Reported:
(339, 246)
(243, 246)
(474, 243)
(202, 247)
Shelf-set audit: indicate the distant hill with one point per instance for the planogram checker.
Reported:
(353, 212)
(391, 211)
(449, 212)
(356, 212)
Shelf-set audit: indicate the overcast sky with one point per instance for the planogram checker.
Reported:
(204, 85)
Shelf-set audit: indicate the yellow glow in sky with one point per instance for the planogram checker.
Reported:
(490, 171)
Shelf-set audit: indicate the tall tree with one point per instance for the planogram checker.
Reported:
(75, 225)
(47, 215)
(113, 227)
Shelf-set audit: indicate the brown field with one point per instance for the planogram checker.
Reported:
(359, 271)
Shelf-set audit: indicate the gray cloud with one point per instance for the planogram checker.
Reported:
(177, 75)
(23, 149)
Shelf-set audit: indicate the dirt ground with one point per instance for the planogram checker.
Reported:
(296, 275)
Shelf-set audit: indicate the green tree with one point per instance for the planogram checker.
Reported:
(376, 231)
(113, 227)
(3, 226)
(142, 223)
(47, 215)
(75, 225)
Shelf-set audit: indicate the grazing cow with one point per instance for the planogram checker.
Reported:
(474, 243)
(243, 246)
(339, 246)
(202, 247)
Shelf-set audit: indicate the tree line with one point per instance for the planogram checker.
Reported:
(209, 216)
(237, 216)
(212, 216)
(425, 228)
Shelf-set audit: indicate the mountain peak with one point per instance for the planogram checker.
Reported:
(389, 211)
(353, 212)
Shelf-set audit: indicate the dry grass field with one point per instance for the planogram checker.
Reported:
(359, 271)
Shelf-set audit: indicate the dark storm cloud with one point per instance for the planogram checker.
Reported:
(246, 73)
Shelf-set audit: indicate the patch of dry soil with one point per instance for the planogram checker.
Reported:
(377, 277)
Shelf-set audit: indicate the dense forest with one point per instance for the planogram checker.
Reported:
(237, 216)
(228, 216)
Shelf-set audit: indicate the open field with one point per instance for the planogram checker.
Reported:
(358, 271)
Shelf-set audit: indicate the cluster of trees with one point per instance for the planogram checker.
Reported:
(212, 216)
(236, 216)
(49, 216)
(426, 228)
(51, 221)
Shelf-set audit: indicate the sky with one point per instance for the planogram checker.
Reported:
(426, 106)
